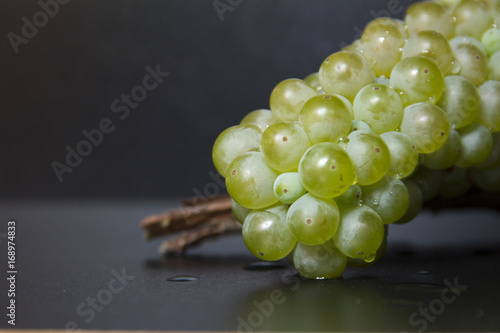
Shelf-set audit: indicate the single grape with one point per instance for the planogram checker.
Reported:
(359, 125)
(288, 98)
(313, 80)
(473, 63)
(491, 40)
(430, 44)
(455, 183)
(493, 160)
(313, 220)
(460, 101)
(351, 197)
(325, 118)
(389, 197)
(419, 79)
(446, 156)
(233, 142)
(427, 125)
(489, 116)
(477, 144)
(370, 156)
(239, 212)
(323, 261)
(288, 188)
(262, 118)
(487, 180)
(266, 235)
(360, 263)
(379, 106)
(326, 170)
(458, 40)
(428, 181)
(345, 73)
(416, 202)
(360, 233)
(283, 144)
(429, 15)
(249, 181)
(404, 154)
(472, 17)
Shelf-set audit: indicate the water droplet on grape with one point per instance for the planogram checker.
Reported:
(375, 202)
(369, 258)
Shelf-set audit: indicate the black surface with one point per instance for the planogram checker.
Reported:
(67, 252)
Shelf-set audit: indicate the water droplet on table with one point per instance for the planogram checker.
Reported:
(182, 279)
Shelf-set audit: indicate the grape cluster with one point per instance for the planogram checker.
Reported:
(408, 112)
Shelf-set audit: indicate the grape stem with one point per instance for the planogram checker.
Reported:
(212, 217)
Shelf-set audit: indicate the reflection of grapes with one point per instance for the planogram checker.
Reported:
(343, 153)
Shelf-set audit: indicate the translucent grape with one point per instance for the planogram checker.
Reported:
(249, 181)
(326, 170)
(404, 154)
(487, 180)
(233, 142)
(351, 197)
(491, 40)
(446, 156)
(325, 118)
(428, 181)
(489, 114)
(429, 15)
(266, 235)
(379, 106)
(345, 73)
(370, 156)
(261, 118)
(416, 202)
(419, 78)
(288, 188)
(458, 40)
(323, 261)
(472, 17)
(493, 160)
(388, 197)
(460, 101)
(239, 212)
(430, 44)
(313, 80)
(288, 98)
(381, 44)
(283, 144)
(360, 232)
(473, 63)
(313, 220)
(361, 263)
(494, 67)
(455, 183)
(427, 125)
(477, 144)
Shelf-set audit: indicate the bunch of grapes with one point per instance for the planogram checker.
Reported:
(408, 112)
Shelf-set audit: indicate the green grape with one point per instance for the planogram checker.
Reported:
(288, 98)
(353, 47)
(494, 67)
(345, 73)
(472, 17)
(416, 202)
(460, 101)
(446, 156)
(487, 180)
(455, 183)
(283, 144)
(493, 160)
(326, 170)
(370, 156)
(288, 188)
(325, 118)
(430, 44)
(428, 181)
(381, 44)
(360, 233)
(379, 106)
(359, 125)
(389, 197)
(313, 220)
(419, 79)
(347, 104)
(239, 212)
(491, 40)
(233, 142)
(477, 144)
(404, 154)
(266, 235)
(489, 115)
(261, 118)
(360, 263)
(429, 15)
(427, 125)
(473, 63)
(351, 197)
(313, 80)
(323, 261)
(249, 181)
(458, 40)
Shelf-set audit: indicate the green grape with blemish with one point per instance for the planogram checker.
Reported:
(288, 187)
(352, 197)
(473, 63)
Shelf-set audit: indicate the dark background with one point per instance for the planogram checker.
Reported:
(64, 79)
